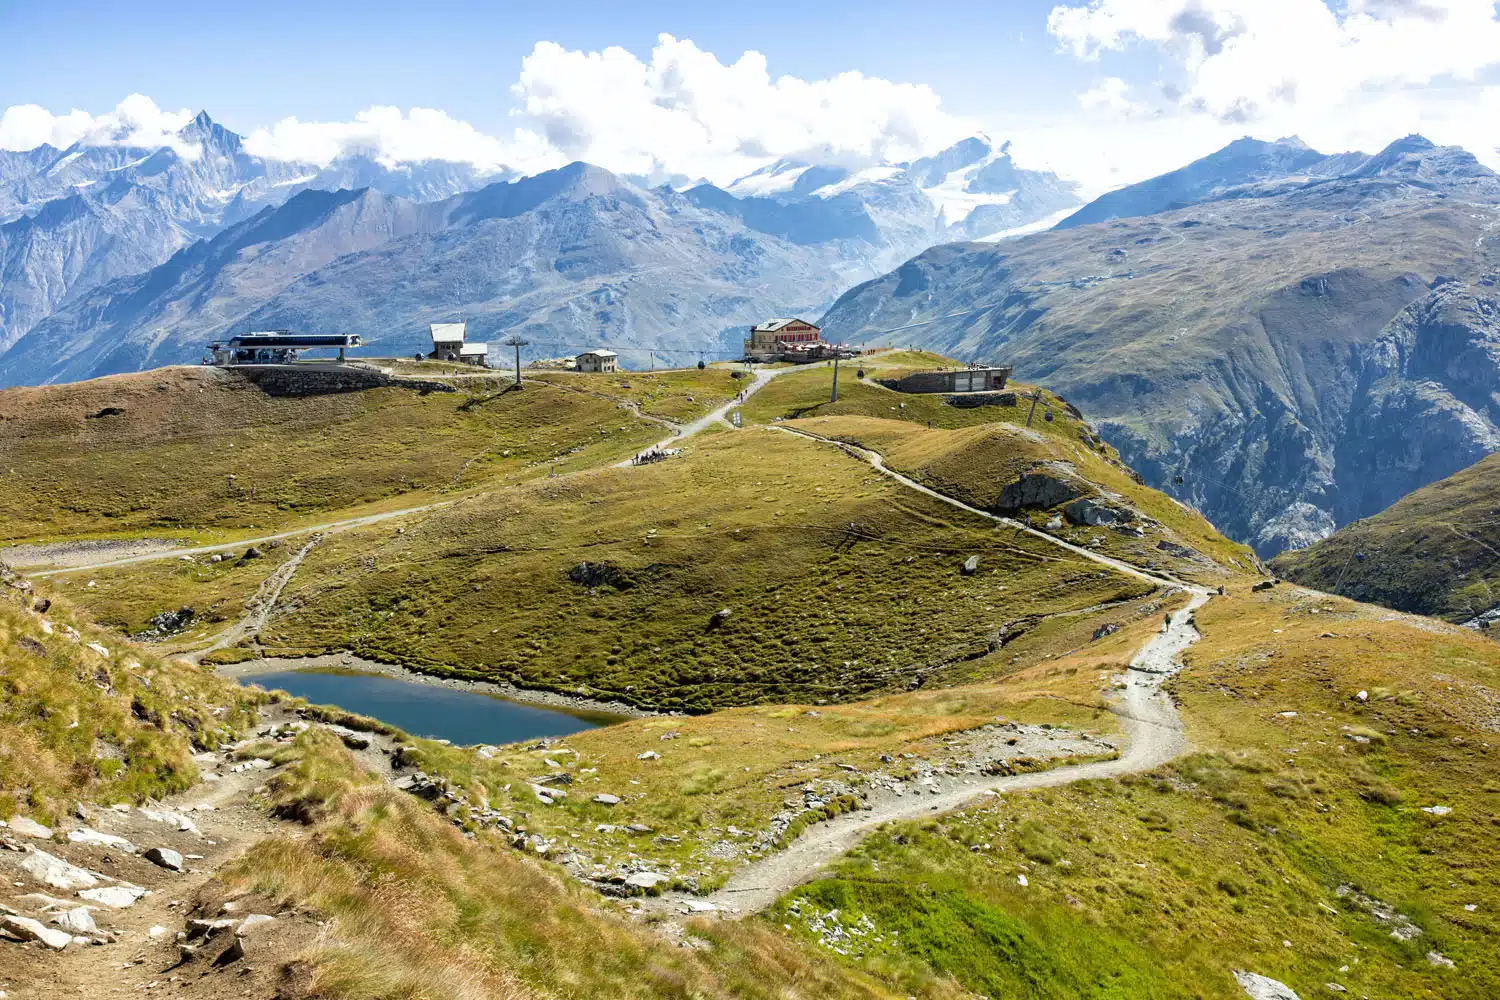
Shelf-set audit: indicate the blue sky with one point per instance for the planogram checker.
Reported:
(1105, 91)
(251, 64)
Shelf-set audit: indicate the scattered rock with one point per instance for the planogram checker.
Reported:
(1437, 810)
(605, 799)
(253, 921)
(93, 838)
(1439, 960)
(646, 880)
(719, 617)
(167, 817)
(252, 553)
(34, 930)
(77, 920)
(1362, 696)
(1033, 490)
(165, 857)
(602, 574)
(116, 897)
(1263, 585)
(639, 828)
(1108, 628)
(233, 953)
(1263, 988)
(648, 755)
(58, 873)
(26, 827)
(97, 648)
(971, 566)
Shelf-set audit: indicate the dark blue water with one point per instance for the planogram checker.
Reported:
(465, 717)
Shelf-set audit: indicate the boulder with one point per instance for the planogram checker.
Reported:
(93, 838)
(1093, 513)
(58, 873)
(646, 880)
(970, 566)
(1035, 490)
(601, 574)
(252, 553)
(165, 857)
(34, 930)
(1108, 628)
(77, 920)
(116, 897)
(1258, 987)
(24, 826)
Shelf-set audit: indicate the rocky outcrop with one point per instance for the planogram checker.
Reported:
(1037, 491)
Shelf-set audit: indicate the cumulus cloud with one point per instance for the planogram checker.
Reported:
(685, 111)
(136, 121)
(1245, 59)
(392, 137)
(679, 112)
(1110, 93)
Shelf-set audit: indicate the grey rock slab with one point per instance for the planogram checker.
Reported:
(116, 897)
(58, 873)
(93, 838)
(605, 799)
(646, 880)
(1258, 987)
(77, 920)
(24, 826)
(28, 929)
(164, 857)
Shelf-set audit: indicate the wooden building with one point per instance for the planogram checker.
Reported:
(597, 360)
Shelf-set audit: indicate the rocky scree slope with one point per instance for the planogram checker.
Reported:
(1257, 355)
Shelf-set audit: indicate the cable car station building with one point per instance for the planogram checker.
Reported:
(277, 347)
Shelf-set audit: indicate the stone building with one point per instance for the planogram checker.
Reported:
(974, 378)
(597, 360)
(450, 343)
(776, 337)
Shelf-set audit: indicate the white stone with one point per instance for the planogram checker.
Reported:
(93, 838)
(170, 818)
(1262, 988)
(116, 897)
(27, 827)
(99, 649)
(34, 930)
(605, 799)
(648, 755)
(78, 920)
(1021, 880)
(1437, 810)
(646, 880)
(56, 872)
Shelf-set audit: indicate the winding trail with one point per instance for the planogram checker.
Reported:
(720, 415)
(1151, 724)
(258, 608)
(877, 462)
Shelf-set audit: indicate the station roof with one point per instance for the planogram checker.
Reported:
(447, 333)
(297, 341)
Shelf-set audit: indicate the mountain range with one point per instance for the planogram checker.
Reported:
(1285, 339)
(139, 227)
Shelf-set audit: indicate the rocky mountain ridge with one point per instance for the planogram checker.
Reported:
(1252, 353)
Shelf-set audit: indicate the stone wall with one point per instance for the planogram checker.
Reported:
(275, 380)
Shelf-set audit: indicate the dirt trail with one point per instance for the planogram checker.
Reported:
(1148, 717)
(720, 415)
(876, 461)
(227, 824)
(258, 608)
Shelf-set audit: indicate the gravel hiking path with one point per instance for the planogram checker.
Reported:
(876, 461)
(721, 415)
(259, 607)
(1151, 724)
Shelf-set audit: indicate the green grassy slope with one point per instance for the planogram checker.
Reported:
(1435, 552)
(113, 726)
(838, 581)
(1261, 850)
(197, 448)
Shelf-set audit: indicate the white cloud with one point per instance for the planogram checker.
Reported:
(136, 121)
(1245, 59)
(392, 137)
(1110, 93)
(684, 111)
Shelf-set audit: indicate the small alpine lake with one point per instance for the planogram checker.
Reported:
(436, 711)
